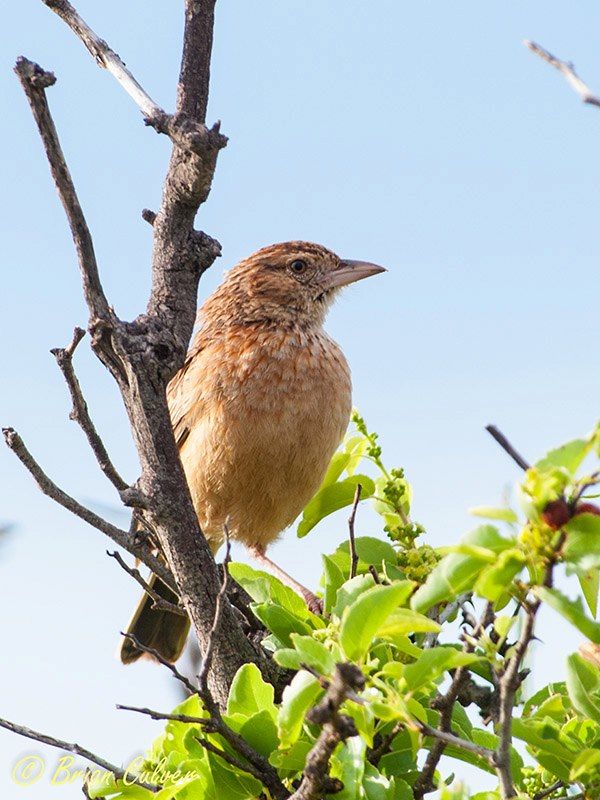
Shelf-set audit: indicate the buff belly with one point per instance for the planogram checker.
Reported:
(260, 450)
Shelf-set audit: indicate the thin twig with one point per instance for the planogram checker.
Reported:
(229, 759)
(510, 678)
(445, 704)
(449, 739)
(567, 69)
(207, 656)
(104, 56)
(159, 715)
(351, 520)
(335, 728)
(80, 413)
(71, 747)
(550, 790)
(507, 446)
(171, 667)
(159, 603)
(34, 81)
(50, 489)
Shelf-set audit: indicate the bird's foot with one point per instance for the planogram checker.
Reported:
(314, 603)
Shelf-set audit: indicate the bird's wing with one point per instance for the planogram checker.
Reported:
(181, 394)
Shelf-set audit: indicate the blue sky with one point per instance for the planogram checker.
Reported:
(421, 136)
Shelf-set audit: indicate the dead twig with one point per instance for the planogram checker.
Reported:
(70, 747)
(507, 446)
(159, 603)
(50, 489)
(80, 413)
(351, 521)
(171, 667)
(566, 69)
(335, 728)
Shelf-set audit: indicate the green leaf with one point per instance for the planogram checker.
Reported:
(490, 512)
(571, 610)
(348, 764)
(362, 620)
(586, 769)
(495, 580)
(232, 785)
(583, 685)
(543, 736)
(372, 551)
(457, 573)
(431, 664)
(582, 545)
(404, 620)
(568, 457)
(377, 786)
(331, 498)
(350, 591)
(333, 578)
(590, 586)
(314, 653)
(249, 693)
(280, 621)
(297, 698)
(292, 760)
(266, 588)
(260, 731)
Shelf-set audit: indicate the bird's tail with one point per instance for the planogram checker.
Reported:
(164, 631)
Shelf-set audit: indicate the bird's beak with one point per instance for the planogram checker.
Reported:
(350, 271)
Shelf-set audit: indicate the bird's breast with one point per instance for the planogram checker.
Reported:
(275, 406)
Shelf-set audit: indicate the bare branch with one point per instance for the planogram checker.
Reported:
(550, 790)
(159, 603)
(567, 69)
(215, 723)
(80, 413)
(207, 656)
(50, 489)
(507, 446)
(509, 684)
(450, 739)
(445, 703)
(159, 715)
(72, 748)
(171, 667)
(34, 81)
(105, 57)
(336, 727)
(351, 521)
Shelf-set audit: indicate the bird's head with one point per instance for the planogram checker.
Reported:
(292, 283)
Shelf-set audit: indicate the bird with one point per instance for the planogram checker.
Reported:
(258, 409)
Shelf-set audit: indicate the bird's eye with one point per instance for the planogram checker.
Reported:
(298, 266)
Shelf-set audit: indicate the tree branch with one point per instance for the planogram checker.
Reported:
(159, 603)
(566, 69)
(445, 704)
(155, 654)
(447, 738)
(50, 489)
(336, 728)
(80, 413)
(507, 446)
(71, 748)
(144, 355)
(35, 81)
(351, 521)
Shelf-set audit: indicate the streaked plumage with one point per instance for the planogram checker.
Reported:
(260, 405)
